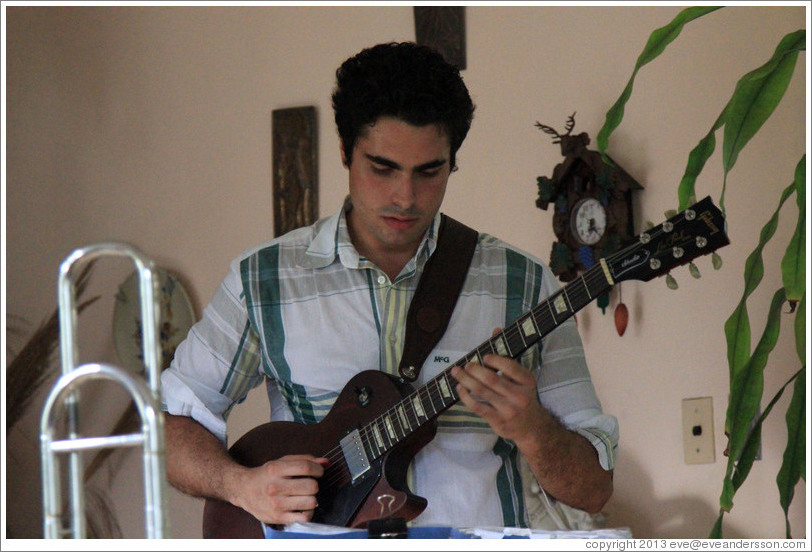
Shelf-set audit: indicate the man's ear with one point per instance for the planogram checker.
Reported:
(344, 160)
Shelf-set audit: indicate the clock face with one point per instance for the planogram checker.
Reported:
(588, 221)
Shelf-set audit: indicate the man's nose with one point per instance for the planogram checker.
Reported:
(404, 191)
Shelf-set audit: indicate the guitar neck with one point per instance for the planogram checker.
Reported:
(439, 393)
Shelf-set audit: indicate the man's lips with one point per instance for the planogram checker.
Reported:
(400, 223)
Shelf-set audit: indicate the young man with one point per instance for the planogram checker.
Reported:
(307, 311)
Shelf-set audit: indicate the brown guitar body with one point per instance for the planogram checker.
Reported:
(380, 493)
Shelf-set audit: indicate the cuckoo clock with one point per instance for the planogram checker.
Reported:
(591, 201)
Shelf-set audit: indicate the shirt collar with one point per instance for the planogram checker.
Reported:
(332, 240)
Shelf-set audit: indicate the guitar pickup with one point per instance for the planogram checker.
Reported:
(354, 454)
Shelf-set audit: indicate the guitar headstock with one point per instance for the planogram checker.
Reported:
(696, 231)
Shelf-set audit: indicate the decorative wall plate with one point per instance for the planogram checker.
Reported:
(177, 316)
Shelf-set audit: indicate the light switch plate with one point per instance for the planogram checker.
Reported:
(697, 430)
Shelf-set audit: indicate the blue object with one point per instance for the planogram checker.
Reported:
(428, 532)
(586, 256)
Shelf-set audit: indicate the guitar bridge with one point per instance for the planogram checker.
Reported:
(354, 454)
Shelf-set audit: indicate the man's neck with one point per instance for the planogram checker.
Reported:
(389, 260)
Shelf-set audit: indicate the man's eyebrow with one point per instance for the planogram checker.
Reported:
(382, 161)
(392, 165)
(431, 165)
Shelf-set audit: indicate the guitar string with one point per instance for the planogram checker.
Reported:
(336, 458)
(580, 297)
(432, 390)
(431, 394)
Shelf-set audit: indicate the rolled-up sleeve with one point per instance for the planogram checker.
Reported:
(217, 364)
(566, 389)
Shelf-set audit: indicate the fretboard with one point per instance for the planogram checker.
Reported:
(439, 393)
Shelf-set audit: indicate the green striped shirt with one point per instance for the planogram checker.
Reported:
(304, 313)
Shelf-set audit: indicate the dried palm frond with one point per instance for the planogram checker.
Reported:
(32, 366)
(102, 522)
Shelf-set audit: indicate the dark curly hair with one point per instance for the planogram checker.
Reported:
(402, 80)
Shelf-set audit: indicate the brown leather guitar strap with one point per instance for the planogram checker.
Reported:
(436, 294)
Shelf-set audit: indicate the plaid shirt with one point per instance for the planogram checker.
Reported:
(305, 313)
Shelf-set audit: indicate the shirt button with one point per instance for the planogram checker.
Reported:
(381, 280)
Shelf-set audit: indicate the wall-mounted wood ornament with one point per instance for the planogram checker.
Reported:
(442, 28)
(295, 168)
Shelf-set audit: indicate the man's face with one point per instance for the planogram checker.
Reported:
(397, 181)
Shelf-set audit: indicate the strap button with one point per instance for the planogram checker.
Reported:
(409, 372)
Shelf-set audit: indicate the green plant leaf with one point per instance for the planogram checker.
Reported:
(744, 382)
(794, 463)
(696, 162)
(655, 46)
(793, 265)
(737, 326)
(754, 439)
(748, 456)
(800, 330)
(754, 99)
(757, 94)
(746, 389)
(716, 532)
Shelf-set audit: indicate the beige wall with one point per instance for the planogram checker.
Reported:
(151, 125)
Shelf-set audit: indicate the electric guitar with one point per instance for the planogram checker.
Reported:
(379, 422)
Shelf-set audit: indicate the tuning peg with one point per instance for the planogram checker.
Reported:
(692, 268)
(716, 260)
(671, 282)
(670, 213)
(648, 225)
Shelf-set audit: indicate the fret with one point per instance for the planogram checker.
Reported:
(529, 327)
(390, 429)
(520, 333)
(515, 341)
(500, 346)
(431, 402)
(387, 440)
(586, 287)
(400, 427)
(560, 302)
(411, 415)
(437, 396)
(484, 349)
(549, 304)
(445, 389)
(533, 326)
(376, 433)
(404, 421)
(567, 297)
(418, 408)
